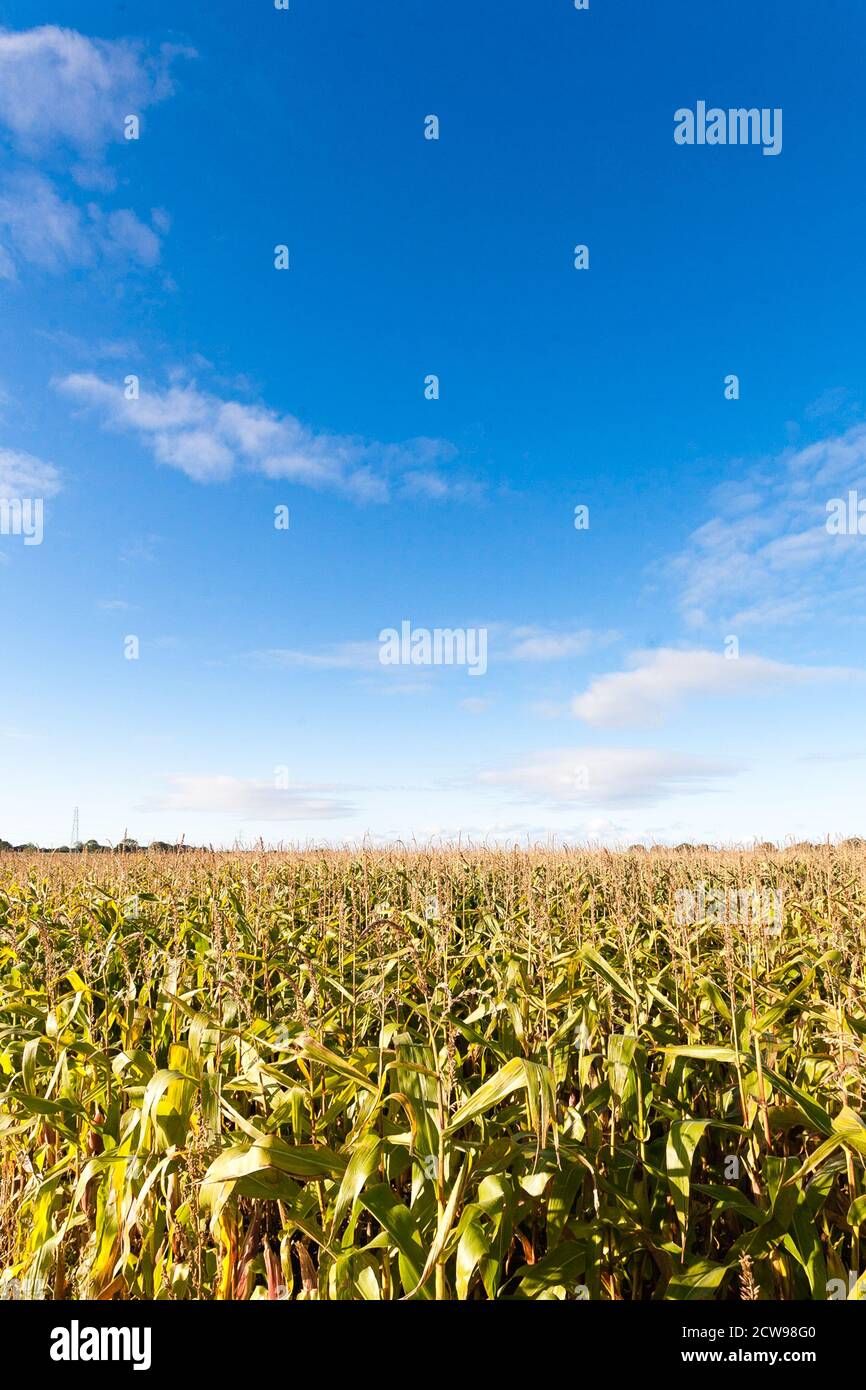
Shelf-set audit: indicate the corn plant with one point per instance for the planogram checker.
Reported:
(443, 1075)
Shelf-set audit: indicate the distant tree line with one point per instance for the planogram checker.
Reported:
(130, 846)
(127, 846)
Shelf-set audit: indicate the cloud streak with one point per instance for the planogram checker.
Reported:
(661, 680)
(606, 777)
(508, 643)
(210, 438)
(542, 644)
(247, 798)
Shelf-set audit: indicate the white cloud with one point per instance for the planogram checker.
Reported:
(766, 557)
(540, 644)
(125, 235)
(661, 679)
(340, 656)
(209, 438)
(433, 485)
(63, 92)
(610, 776)
(40, 228)
(252, 800)
(23, 475)
(59, 87)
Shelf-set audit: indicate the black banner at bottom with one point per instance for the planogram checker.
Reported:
(261, 1338)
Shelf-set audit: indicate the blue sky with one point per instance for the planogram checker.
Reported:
(258, 705)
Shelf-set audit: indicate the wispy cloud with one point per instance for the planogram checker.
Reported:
(40, 228)
(606, 777)
(62, 94)
(765, 557)
(436, 486)
(209, 438)
(835, 402)
(24, 475)
(507, 642)
(546, 644)
(249, 799)
(140, 549)
(113, 349)
(660, 680)
(340, 656)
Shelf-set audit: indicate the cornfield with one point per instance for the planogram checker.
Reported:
(433, 1075)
